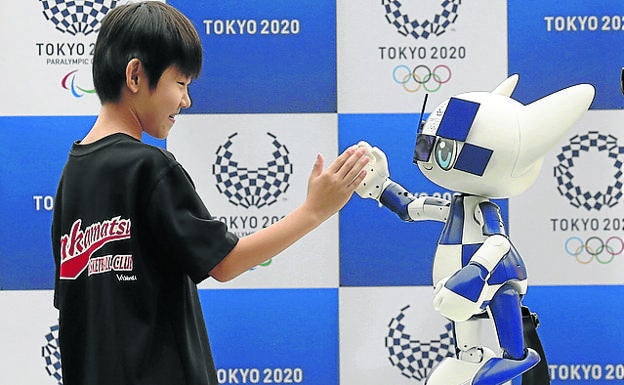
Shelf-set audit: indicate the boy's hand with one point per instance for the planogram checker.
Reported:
(330, 189)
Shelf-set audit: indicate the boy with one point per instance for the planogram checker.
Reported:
(130, 236)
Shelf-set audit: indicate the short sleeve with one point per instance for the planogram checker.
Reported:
(183, 229)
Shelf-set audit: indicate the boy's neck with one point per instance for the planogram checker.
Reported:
(114, 118)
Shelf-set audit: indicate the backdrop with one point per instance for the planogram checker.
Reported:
(284, 80)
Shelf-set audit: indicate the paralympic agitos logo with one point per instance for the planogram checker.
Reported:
(81, 20)
(70, 83)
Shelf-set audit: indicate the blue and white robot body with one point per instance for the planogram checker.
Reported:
(482, 146)
(450, 255)
(473, 259)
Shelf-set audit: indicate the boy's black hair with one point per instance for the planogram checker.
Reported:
(155, 33)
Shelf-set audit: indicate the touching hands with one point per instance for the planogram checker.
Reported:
(376, 172)
(330, 189)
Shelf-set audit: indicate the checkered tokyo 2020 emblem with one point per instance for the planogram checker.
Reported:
(248, 187)
(423, 28)
(77, 17)
(51, 354)
(577, 195)
(414, 358)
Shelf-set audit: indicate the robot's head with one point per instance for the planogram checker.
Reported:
(487, 143)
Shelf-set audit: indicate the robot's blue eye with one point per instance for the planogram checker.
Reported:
(445, 152)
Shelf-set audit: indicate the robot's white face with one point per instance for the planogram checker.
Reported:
(443, 139)
(491, 145)
(448, 152)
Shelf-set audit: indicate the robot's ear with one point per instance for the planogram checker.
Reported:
(546, 121)
(507, 87)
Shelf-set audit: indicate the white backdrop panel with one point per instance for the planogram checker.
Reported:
(198, 139)
(375, 58)
(575, 239)
(27, 317)
(366, 316)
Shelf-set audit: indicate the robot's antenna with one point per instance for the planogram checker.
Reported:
(418, 147)
(422, 112)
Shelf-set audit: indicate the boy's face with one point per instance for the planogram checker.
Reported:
(160, 106)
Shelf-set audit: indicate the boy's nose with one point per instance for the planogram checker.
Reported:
(186, 100)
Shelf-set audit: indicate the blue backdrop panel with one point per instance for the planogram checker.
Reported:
(37, 150)
(274, 333)
(581, 341)
(277, 56)
(376, 247)
(30, 171)
(553, 46)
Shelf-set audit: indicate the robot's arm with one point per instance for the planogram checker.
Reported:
(378, 185)
(429, 208)
(497, 245)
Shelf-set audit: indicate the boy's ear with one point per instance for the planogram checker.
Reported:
(134, 75)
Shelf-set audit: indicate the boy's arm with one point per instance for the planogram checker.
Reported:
(328, 191)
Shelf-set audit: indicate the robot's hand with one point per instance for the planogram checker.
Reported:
(457, 297)
(377, 173)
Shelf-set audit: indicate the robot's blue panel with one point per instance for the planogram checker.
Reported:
(394, 199)
(457, 119)
(473, 159)
(493, 221)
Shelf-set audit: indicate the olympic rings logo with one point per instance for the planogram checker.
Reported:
(594, 247)
(421, 76)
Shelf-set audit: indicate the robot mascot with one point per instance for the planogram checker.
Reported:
(481, 145)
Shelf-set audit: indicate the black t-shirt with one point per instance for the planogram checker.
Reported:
(131, 238)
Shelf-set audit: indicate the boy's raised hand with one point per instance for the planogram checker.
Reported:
(330, 189)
